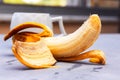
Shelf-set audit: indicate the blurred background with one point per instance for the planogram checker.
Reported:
(74, 12)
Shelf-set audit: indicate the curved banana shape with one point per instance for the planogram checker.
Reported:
(66, 48)
(75, 43)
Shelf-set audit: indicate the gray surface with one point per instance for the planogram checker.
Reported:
(12, 69)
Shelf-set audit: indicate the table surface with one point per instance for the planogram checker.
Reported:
(12, 69)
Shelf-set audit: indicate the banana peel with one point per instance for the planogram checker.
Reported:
(33, 54)
(42, 50)
(28, 47)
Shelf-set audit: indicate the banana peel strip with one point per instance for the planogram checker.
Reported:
(47, 32)
(96, 56)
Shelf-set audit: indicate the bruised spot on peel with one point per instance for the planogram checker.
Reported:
(26, 37)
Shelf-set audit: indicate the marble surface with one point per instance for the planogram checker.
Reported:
(12, 69)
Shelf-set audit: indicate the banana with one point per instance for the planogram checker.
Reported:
(75, 43)
(65, 48)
